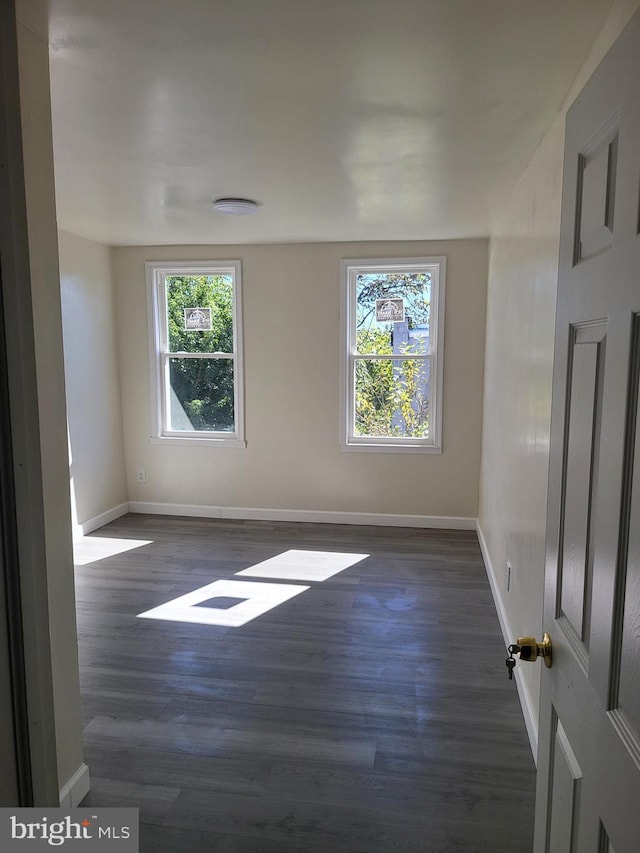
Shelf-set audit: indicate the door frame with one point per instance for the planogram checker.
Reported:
(21, 488)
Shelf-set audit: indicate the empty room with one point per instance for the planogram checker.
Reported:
(321, 347)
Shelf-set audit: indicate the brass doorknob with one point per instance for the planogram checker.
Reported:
(529, 649)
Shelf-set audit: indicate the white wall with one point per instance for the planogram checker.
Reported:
(33, 57)
(91, 374)
(523, 269)
(293, 459)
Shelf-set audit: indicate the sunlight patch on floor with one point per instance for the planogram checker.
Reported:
(92, 548)
(257, 598)
(303, 565)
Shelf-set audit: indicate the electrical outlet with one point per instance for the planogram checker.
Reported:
(141, 475)
(507, 575)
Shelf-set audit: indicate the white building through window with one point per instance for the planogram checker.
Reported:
(393, 322)
(196, 351)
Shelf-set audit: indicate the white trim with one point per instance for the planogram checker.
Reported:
(437, 388)
(528, 711)
(349, 268)
(156, 313)
(76, 789)
(226, 443)
(84, 527)
(306, 515)
(154, 379)
(372, 447)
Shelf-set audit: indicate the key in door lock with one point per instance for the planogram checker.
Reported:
(529, 649)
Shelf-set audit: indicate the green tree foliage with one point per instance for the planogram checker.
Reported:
(203, 386)
(410, 399)
(391, 395)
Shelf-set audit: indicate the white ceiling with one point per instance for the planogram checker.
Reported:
(345, 119)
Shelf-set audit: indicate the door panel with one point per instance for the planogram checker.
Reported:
(585, 383)
(596, 192)
(589, 739)
(566, 778)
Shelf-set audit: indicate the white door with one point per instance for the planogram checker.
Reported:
(588, 796)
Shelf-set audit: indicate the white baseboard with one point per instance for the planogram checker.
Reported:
(76, 789)
(193, 510)
(91, 524)
(315, 516)
(528, 710)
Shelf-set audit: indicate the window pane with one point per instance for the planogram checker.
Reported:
(392, 398)
(208, 303)
(392, 313)
(201, 394)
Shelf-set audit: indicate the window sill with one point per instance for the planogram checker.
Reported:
(390, 448)
(204, 441)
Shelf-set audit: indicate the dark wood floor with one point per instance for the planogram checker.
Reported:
(371, 713)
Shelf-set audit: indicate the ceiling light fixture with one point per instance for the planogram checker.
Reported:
(235, 206)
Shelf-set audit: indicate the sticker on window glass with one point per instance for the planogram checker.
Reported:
(389, 310)
(197, 319)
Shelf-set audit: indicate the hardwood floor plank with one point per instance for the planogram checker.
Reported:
(335, 827)
(153, 800)
(396, 793)
(167, 839)
(246, 776)
(167, 683)
(210, 740)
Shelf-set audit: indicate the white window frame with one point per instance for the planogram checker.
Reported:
(350, 269)
(157, 273)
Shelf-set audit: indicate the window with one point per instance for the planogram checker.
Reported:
(196, 352)
(393, 328)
